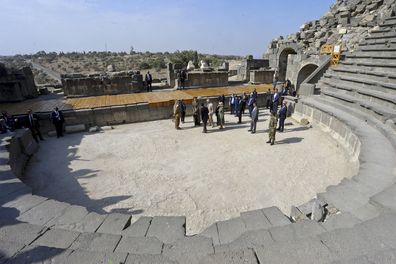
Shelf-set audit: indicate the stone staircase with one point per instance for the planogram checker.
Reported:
(366, 78)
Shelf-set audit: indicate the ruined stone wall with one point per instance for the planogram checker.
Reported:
(197, 79)
(346, 23)
(16, 85)
(261, 76)
(77, 85)
(248, 65)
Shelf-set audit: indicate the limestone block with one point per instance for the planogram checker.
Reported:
(94, 129)
(51, 133)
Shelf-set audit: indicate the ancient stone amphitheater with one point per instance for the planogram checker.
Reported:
(356, 101)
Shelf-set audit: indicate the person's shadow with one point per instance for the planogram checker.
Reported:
(290, 140)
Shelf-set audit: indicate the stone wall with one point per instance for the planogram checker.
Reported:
(243, 72)
(124, 114)
(198, 79)
(261, 76)
(16, 85)
(346, 23)
(77, 85)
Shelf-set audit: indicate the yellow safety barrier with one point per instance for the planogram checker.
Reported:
(334, 51)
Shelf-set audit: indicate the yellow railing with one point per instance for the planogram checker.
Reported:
(334, 51)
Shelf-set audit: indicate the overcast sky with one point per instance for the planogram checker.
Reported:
(238, 27)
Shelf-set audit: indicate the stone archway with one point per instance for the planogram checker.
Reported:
(304, 72)
(282, 63)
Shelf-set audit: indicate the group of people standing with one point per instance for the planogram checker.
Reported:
(204, 112)
(31, 121)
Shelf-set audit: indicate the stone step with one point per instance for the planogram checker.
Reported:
(139, 245)
(382, 36)
(350, 243)
(42, 254)
(90, 223)
(377, 48)
(72, 215)
(249, 239)
(44, 212)
(275, 216)
(22, 233)
(167, 229)
(364, 71)
(139, 228)
(9, 249)
(189, 249)
(57, 238)
(308, 250)
(341, 220)
(25, 202)
(386, 199)
(232, 257)
(364, 87)
(115, 223)
(230, 230)
(392, 18)
(382, 113)
(99, 242)
(296, 231)
(255, 220)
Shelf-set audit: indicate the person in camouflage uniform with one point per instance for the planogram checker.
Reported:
(272, 128)
(196, 112)
(177, 113)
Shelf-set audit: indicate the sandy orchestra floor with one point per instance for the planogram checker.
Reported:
(152, 169)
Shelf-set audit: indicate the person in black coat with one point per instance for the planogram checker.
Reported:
(282, 116)
(239, 110)
(149, 81)
(204, 116)
(32, 122)
(275, 100)
(58, 120)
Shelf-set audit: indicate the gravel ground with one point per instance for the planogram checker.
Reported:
(149, 169)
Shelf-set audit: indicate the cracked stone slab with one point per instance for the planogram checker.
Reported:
(140, 245)
(44, 212)
(275, 216)
(249, 239)
(115, 223)
(343, 220)
(21, 232)
(309, 250)
(56, 238)
(231, 257)
(96, 242)
(91, 257)
(9, 249)
(41, 254)
(72, 214)
(189, 249)
(230, 230)
(167, 228)
(301, 229)
(212, 232)
(25, 202)
(139, 228)
(148, 259)
(90, 223)
(255, 220)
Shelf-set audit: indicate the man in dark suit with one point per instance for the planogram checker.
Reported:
(204, 116)
(239, 109)
(282, 116)
(32, 122)
(269, 98)
(149, 81)
(58, 120)
(275, 100)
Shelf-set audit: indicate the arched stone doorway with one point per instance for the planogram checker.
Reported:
(304, 73)
(282, 65)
